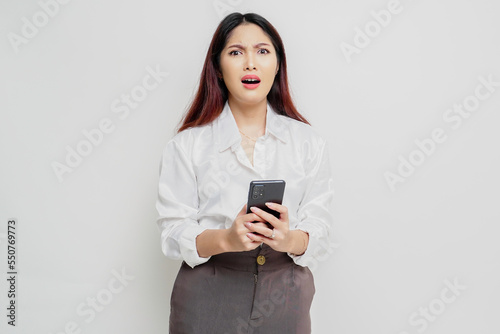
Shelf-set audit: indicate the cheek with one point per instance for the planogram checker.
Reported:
(231, 72)
(269, 68)
(227, 66)
(270, 74)
(229, 84)
(227, 75)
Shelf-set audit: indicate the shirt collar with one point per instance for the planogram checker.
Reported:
(228, 134)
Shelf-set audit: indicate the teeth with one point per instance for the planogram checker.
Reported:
(251, 80)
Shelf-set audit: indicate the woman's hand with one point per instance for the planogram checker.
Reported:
(241, 235)
(238, 235)
(280, 238)
(237, 238)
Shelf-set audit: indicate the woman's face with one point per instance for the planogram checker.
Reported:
(248, 64)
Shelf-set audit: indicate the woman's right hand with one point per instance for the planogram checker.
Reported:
(236, 236)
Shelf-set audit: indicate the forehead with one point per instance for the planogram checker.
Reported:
(248, 34)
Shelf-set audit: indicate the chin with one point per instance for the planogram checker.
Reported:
(253, 100)
(254, 97)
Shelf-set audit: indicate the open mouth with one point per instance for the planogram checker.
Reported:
(250, 81)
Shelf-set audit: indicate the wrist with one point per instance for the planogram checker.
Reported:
(223, 243)
(212, 242)
(299, 242)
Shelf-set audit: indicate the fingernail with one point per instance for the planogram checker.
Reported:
(269, 204)
(253, 208)
(247, 224)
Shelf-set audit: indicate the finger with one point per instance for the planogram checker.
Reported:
(259, 228)
(252, 244)
(263, 224)
(275, 222)
(257, 238)
(243, 210)
(252, 217)
(283, 210)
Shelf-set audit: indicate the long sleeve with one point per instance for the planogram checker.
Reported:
(315, 210)
(177, 205)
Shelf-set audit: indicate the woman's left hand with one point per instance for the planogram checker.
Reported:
(278, 238)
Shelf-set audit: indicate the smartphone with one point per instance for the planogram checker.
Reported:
(262, 191)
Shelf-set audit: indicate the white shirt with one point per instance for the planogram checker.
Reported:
(205, 176)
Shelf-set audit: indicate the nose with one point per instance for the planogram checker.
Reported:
(250, 62)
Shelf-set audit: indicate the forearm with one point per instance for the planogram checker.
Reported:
(299, 241)
(212, 242)
(215, 241)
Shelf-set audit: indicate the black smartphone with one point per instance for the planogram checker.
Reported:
(262, 191)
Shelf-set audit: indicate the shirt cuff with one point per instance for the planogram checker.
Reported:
(318, 250)
(187, 245)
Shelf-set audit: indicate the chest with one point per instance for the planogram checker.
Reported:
(223, 177)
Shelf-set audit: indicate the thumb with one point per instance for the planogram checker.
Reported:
(243, 210)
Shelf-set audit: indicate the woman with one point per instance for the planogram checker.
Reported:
(240, 275)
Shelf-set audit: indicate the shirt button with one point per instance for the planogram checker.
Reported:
(261, 259)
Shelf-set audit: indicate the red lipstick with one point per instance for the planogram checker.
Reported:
(250, 81)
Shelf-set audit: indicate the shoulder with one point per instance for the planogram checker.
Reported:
(306, 140)
(302, 132)
(189, 138)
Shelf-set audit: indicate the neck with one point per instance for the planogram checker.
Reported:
(250, 118)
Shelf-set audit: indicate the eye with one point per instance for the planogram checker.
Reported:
(233, 53)
(264, 51)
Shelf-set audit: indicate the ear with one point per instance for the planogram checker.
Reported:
(277, 69)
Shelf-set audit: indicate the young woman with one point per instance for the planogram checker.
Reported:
(239, 274)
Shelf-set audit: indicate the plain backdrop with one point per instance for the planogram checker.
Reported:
(384, 81)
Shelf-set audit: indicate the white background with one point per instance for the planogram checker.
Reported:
(396, 247)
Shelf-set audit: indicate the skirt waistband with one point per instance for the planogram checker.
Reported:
(262, 258)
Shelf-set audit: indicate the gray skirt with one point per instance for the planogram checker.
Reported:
(259, 291)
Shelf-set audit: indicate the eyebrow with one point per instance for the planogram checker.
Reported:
(239, 46)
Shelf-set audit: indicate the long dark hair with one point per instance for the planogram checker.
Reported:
(212, 92)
